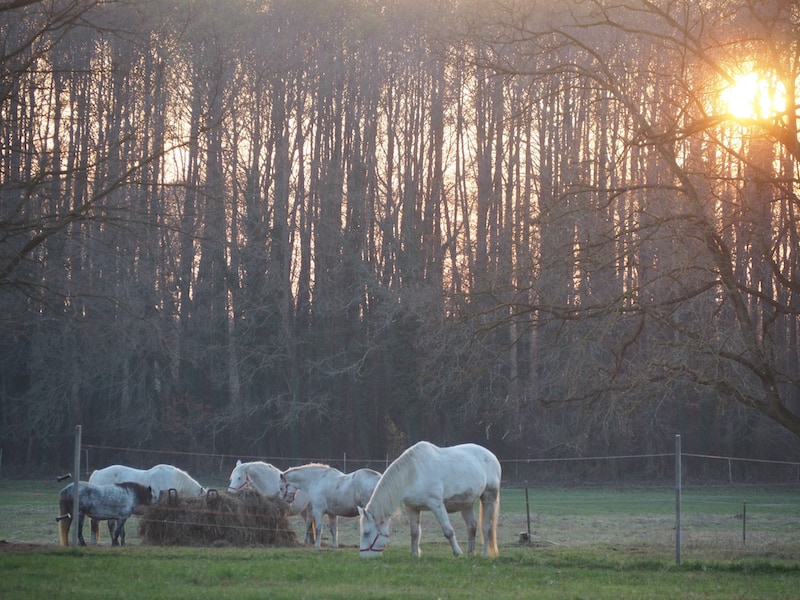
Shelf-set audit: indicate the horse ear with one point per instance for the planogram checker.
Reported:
(238, 462)
(362, 512)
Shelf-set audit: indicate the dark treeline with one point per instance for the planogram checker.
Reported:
(308, 227)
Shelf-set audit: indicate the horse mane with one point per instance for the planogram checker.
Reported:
(308, 474)
(388, 491)
(306, 466)
(261, 473)
(142, 492)
(187, 482)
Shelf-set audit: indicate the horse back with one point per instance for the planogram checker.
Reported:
(470, 463)
(459, 474)
(161, 477)
(112, 501)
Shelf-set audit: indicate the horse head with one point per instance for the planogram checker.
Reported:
(144, 494)
(263, 477)
(374, 534)
(239, 478)
(297, 499)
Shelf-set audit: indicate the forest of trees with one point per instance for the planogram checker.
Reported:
(308, 227)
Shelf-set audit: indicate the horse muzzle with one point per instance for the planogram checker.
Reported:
(372, 550)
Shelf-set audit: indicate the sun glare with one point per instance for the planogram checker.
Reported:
(754, 97)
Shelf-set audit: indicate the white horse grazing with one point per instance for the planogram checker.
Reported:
(441, 480)
(160, 478)
(331, 493)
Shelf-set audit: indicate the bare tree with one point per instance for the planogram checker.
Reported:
(699, 217)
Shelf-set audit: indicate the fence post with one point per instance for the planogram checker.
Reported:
(76, 479)
(528, 511)
(744, 523)
(678, 499)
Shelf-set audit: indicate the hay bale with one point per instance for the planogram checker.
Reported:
(243, 519)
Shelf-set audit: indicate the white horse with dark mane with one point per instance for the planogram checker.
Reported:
(441, 480)
(161, 478)
(331, 493)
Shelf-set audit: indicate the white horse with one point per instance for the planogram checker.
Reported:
(441, 480)
(263, 477)
(331, 493)
(160, 478)
(269, 481)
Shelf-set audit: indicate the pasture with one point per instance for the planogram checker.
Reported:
(586, 543)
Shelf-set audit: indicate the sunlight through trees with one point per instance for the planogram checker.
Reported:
(322, 226)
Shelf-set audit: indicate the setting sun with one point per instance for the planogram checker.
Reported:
(754, 97)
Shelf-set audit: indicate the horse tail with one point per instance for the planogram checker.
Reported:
(63, 531)
(492, 540)
(493, 551)
(65, 507)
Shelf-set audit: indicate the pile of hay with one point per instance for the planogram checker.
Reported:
(217, 519)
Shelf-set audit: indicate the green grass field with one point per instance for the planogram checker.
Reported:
(585, 543)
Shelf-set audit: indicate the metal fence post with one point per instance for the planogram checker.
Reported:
(678, 499)
(76, 479)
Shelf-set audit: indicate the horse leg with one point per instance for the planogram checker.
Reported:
(333, 525)
(447, 528)
(318, 518)
(415, 529)
(112, 527)
(95, 529)
(119, 533)
(81, 518)
(472, 528)
(311, 530)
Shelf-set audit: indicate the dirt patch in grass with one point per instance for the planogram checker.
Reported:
(6, 546)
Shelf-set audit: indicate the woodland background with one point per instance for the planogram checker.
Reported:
(309, 227)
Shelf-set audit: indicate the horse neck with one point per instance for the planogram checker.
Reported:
(140, 492)
(186, 485)
(265, 478)
(388, 492)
